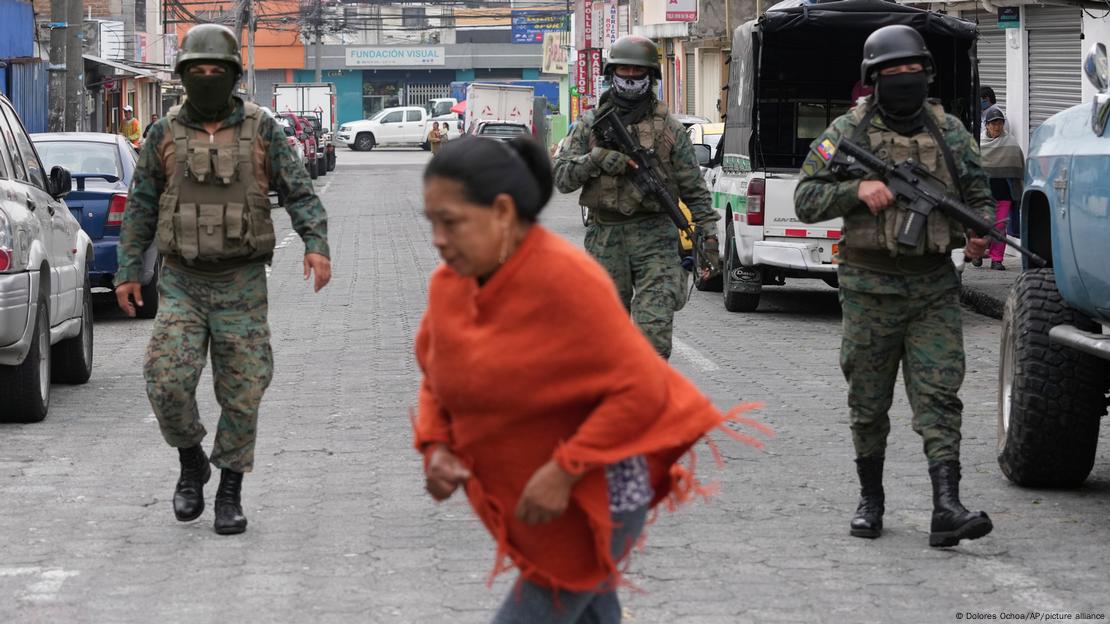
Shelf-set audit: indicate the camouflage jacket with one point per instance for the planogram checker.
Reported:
(574, 168)
(822, 195)
(282, 171)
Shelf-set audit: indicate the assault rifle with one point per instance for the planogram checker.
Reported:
(644, 173)
(921, 192)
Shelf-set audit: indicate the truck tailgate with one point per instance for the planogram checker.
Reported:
(780, 220)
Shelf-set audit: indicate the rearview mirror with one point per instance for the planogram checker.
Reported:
(704, 154)
(60, 182)
(1095, 66)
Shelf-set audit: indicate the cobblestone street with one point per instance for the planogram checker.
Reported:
(341, 529)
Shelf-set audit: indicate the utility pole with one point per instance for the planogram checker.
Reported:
(251, 25)
(56, 109)
(319, 22)
(75, 66)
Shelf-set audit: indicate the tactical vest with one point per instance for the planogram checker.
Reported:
(215, 206)
(863, 230)
(616, 198)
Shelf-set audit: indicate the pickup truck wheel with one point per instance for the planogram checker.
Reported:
(735, 301)
(72, 358)
(364, 142)
(331, 161)
(149, 308)
(310, 164)
(322, 166)
(1050, 397)
(26, 387)
(585, 215)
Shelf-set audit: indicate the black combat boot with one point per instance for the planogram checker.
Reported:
(869, 514)
(188, 497)
(952, 522)
(229, 513)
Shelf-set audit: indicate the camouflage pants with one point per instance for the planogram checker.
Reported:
(229, 314)
(915, 321)
(642, 258)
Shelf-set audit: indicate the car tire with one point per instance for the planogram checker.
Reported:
(149, 309)
(1050, 397)
(331, 161)
(735, 301)
(364, 142)
(713, 284)
(311, 166)
(72, 358)
(26, 387)
(322, 166)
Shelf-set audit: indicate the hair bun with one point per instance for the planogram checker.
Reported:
(538, 163)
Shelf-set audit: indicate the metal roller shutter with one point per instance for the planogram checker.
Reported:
(1055, 59)
(691, 76)
(992, 53)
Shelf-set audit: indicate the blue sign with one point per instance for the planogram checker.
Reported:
(529, 26)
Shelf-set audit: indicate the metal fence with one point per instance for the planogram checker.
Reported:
(418, 93)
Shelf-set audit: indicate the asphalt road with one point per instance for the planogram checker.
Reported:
(341, 530)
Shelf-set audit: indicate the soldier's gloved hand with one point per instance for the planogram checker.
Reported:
(611, 162)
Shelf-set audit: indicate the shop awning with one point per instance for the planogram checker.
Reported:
(121, 67)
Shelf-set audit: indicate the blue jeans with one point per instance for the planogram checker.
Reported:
(535, 604)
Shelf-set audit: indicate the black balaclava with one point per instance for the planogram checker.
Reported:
(208, 98)
(901, 99)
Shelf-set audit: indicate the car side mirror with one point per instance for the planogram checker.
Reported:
(704, 154)
(1096, 68)
(60, 182)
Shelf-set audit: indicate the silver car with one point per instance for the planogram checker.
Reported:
(45, 299)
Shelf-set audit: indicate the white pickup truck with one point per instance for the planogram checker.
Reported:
(400, 125)
(766, 139)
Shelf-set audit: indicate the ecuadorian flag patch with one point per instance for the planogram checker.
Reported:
(826, 149)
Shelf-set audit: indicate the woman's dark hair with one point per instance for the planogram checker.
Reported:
(487, 168)
(987, 92)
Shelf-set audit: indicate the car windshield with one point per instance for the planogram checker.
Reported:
(502, 130)
(81, 157)
(378, 115)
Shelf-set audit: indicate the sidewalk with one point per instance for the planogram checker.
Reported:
(985, 290)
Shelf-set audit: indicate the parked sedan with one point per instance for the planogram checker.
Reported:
(101, 167)
(45, 300)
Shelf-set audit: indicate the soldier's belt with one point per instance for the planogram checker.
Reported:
(881, 260)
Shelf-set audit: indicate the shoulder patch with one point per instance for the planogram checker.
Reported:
(826, 149)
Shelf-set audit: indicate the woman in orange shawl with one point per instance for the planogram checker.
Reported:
(540, 396)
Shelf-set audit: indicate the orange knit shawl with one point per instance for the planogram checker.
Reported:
(543, 361)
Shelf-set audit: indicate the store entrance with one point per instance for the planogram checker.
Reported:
(379, 95)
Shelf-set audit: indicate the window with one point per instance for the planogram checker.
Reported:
(394, 117)
(26, 150)
(19, 172)
(82, 157)
(413, 17)
(412, 115)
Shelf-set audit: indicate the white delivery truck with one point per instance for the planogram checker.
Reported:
(311, 100)
(499, 102)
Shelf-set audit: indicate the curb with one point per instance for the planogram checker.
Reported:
(981, 302)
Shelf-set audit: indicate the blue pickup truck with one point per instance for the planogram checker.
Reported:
(1055, 364)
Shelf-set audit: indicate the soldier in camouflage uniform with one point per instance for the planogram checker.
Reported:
(900, 303)
(201, 192)
(629, 234)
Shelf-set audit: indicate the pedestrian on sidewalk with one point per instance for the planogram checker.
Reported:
(1004, 163)
(200, 192)
(435, 138)
(900, 303)
(629, 233)
(540, 396)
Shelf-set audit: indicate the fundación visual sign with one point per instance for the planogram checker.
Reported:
(396, 57)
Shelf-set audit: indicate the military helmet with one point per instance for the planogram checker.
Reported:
(893, 45)
(633, 50)
(209, 42)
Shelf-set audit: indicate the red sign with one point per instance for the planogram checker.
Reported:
(682, 11)
(588, 22)
(582, 73)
